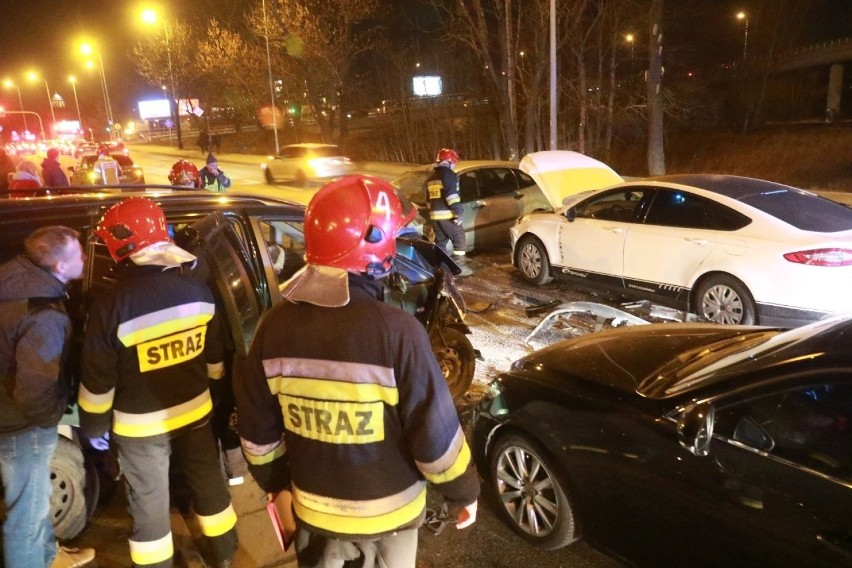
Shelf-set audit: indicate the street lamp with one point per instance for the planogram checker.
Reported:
(73, 80)
(9, 84)
(87, 49)
(33, 76)
(631, 40)
(149, 16)
(742, 16)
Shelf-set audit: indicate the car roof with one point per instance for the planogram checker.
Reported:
(797, 207)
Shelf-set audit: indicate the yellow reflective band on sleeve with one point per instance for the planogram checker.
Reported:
(95, 403)
(215, 371)
(345, 520)
(333, 390)
(440, 215)
(162, 421)
(218, 524)
(152, 552)
(262, 455)
(334, 422)
(171, 350)
(456, 470)
(164, 322)
(451, 199)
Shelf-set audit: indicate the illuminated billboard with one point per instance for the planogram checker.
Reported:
(159, 108)
(427, 85)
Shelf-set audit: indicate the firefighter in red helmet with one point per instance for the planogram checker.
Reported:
(185, 174)
(151, 347)
(445, 208)
(368, 418)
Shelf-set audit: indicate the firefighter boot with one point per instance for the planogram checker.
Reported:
(461, 260)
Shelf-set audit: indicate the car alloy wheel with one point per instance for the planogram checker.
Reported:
(531, 493)
(532, 260)
(724, 299)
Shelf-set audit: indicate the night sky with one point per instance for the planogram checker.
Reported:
(42, 34)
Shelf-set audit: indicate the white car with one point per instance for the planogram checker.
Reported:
(300, 163)
(730, 249)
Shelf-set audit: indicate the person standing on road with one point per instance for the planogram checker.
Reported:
(368, 419)
(151, 345)
(51, 170)
(25, 180)
(34, 332)
(212, 178)
(7, 168)
(445, 208)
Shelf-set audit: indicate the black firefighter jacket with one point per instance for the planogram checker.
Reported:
(150, 345)
(367, 416)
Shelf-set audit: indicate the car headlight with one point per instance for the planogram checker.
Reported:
(93, 176)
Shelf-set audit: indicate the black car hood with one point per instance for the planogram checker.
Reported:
(623, 358)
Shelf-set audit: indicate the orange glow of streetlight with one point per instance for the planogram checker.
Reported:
(629, 38)
(149, 16)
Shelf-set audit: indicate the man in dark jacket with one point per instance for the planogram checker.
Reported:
(212, 178)
(151, 346)
(51, 170)
(368, 419)
(34, 329)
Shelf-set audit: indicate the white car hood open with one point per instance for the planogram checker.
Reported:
(561, 174)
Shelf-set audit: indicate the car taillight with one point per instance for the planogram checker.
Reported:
(821, 257)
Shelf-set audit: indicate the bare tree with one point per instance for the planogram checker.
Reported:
(654, 88)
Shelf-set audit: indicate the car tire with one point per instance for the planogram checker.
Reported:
(531, 259)
(268, 175)
(456, 358)
(69, 511)
(721, 298)
(531, 493)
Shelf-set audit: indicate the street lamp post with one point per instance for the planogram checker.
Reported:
(9, 84)
(742, 16)
(73, 80)
(271, 87)
(88, 50)
(631, 40)
(149, 16)
(32, 76)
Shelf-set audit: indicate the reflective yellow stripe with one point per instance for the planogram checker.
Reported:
(152, 552)
(260, 455)
(441, 215)
(162, 421)
(334, 422)
(353, 517)
(218, 524)
(95, 403)
(332, 390)
(164, 322)
(451, 199)
(455, 470)
(434, 188)
(172, 349)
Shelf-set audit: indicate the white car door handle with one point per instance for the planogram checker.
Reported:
(699, 242)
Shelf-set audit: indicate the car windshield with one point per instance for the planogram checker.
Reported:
(411, 182)
(743, 352)
(803, 210)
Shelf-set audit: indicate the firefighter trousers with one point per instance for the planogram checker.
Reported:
(145, 463)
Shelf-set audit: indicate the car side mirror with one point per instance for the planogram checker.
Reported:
(695, 428)
(571, 214)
